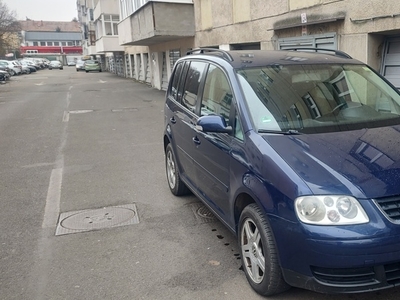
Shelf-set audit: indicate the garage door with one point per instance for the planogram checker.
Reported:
(391, 62)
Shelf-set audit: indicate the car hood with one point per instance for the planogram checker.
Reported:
(363, 163)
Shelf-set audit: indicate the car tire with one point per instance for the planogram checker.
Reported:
(13, 73)
(87, 71)
(99, 70)
(175, 183)
(259, 254)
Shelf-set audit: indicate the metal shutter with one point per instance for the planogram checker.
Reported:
(391, 62)
(164, 75)
(323, 41)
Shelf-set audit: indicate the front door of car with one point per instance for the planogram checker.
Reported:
(214, 149)
(184, 117)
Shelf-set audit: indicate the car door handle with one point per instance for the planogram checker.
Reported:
(196, 140)
(173, 121)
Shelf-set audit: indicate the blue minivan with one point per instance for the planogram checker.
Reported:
(298, 154)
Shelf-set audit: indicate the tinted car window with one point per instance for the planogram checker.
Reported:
(318, 98)
(217, 95)
(193, 79)
(175, 81)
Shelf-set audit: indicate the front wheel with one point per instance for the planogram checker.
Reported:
(259, 253)
(175, 183)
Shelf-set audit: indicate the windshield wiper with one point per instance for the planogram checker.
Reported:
(288, 132)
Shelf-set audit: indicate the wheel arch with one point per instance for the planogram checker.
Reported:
(242, 200)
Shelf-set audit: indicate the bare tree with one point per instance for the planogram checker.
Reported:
(9, 30)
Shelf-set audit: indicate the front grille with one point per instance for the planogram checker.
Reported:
(390, 206)
(354, 278)
(392, 272)
(345, 277)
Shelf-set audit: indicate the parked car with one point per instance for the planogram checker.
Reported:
(297, 154)
(4, 76)
(25, 69)
(5, 70)
(92, 65)
(80, 65)
(28, 64)
(71, 63)
(55, 64)
(15, 69)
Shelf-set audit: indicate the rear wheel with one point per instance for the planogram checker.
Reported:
(175, 183)
(259, 253)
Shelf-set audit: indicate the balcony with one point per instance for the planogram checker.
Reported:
(106, 7)
(108, 44)
(157, 22)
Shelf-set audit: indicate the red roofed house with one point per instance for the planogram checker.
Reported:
(51, 38)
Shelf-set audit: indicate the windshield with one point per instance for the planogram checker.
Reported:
(318, 98)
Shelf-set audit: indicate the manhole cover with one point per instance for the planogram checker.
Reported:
(95, 219)
(202, 213)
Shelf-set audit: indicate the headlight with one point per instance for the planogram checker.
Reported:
(330, 210)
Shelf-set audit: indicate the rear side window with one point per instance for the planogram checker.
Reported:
(192, 83)
(175, 81)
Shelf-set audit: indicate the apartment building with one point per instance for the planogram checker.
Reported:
(153, 34)
(368, 30)
(99, 19)
(55, 40)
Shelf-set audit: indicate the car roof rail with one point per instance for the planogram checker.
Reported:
(336, 52)
(223, 53)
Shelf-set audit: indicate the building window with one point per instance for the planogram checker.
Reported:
(111, 24)
(35, 44)
(70, 43)
(42, 43)
(92, 38)
(63, 43)
(56, 43)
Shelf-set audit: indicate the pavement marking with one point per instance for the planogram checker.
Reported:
(52, 208)
(66, 116)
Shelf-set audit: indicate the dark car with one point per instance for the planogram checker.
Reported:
(298, 154)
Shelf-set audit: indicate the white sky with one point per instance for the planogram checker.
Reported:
(46, 10)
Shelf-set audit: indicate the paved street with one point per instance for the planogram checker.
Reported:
(86, 212)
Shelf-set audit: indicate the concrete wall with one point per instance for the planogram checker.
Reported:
(361, 25)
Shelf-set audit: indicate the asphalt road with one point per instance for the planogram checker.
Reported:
(86, 212)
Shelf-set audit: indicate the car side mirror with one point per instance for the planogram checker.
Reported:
(213, 123)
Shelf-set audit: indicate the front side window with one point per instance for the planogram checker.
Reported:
(192, 83)
(217, 95)
(318, 98)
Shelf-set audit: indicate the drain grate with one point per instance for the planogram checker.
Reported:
(202, 213)
(96, 219)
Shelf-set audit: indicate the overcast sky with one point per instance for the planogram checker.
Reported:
(46, 10)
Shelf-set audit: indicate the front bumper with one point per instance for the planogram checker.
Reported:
(339, 259)
(346, 280)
